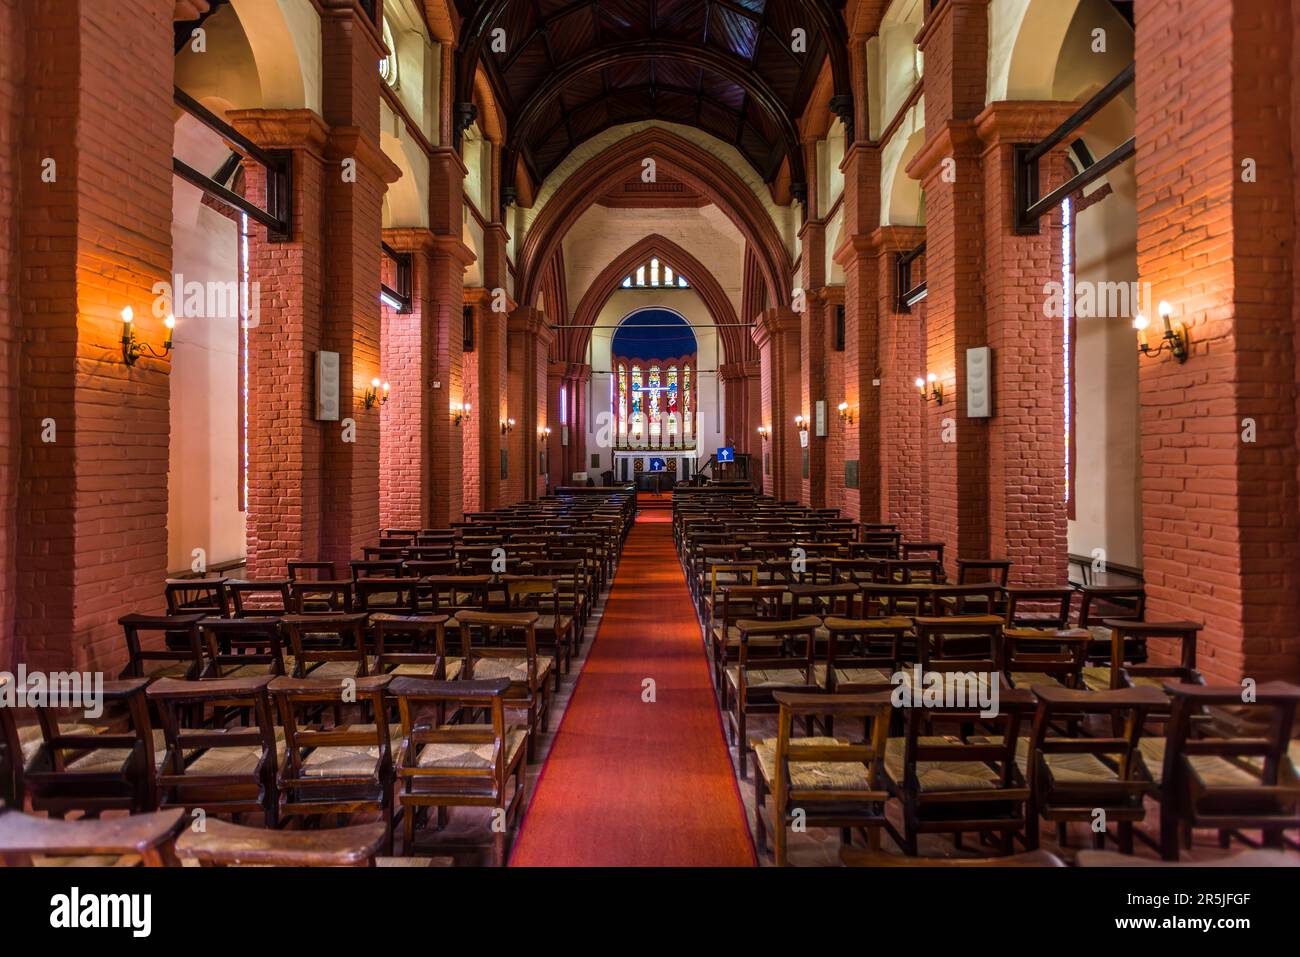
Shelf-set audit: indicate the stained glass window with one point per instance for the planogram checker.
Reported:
(655, 405)
(687, 411)
(622, 401)
(655, 274)
(638, 420)
(673, 409)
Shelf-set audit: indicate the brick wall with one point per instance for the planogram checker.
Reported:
(12, 42)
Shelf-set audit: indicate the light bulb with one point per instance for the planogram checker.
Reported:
(127, 314)
(932, 377)
(385, 387)
(170, 321)
(843, 407)
(1166, 310)
(920, 383)
(374, 383)
(1140, 322)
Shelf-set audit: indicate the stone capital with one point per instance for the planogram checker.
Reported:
(526, 320)
(1021, 121)
(773, 323)
(897, 239)
(349, 142)
(739, 371)
(956, 138)
(282, 129)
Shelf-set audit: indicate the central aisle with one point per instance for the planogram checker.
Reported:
(631, 783)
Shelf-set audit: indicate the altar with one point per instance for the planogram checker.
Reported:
(679, 464)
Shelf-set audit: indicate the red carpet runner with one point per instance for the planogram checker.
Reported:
(631, 783)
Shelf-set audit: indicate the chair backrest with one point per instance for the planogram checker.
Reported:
(385, 594)
(181, 643)
(237, 642)
(491, 634)
(301, 570)
(406, 640)
(906, 571)
(825, 599)
(449, 594)
(391, 568)
(320, 596)
(255, 599)
(973, 641)
(797, 647)
(973, 571)
(980, 598)
(187, 596)
(1059, 653)
(1039, 607)
(319, 639)
(149, 836)
(1111, 601)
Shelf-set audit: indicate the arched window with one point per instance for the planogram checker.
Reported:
(655, 274)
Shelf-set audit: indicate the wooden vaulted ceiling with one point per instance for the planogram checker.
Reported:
(572, 68)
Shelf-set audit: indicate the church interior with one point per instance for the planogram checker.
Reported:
(649, 434)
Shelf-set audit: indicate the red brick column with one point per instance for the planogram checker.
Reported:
(776, 333)
(530, 339)
(742, 406)
(1026, 440)
(861, 205)
(812, 351)
(902, 416)
(834, 390)
(955, 44)
(13, 41)
(563, 459)
(1221, 535)
(420, 450)
(285, 440)
(90, 542)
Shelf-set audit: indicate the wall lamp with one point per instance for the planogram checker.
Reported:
(935, 388)
(801, 423)
(507, 426)
(133, 348)
(378, 392)
(544, 432)
(459, 412)
(764, 433)
(1175, 337)
(846, 413)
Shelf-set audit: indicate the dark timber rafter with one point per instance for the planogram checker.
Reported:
(730, 67)
(821, 17)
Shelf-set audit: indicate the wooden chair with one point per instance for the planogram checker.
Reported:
(1074, 777)
(377, 568)
(822, 781)
(174, 659)
(991, 571)
(910, 551)
(862, 654)
(975, 640)
(319, 596)
(553, 625)
(1229, 784)
(492, 654)
(413, 646)
(950, 785)
(212, 764)
(763, 667)
(982, 598)
(459, 764)
(731, 604)
(146, 838)
(1035, 657)
(244, 647)
(1120, 602)
(224, 844)
(79, 766)
(328, 646)
(330, 767)
(1126, 634)
(301, 570)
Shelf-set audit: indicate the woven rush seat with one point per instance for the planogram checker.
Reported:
(813, 775)
(463, 755)
(239, 761)
(939, 775)
(454, 667)
(1030, 679)
(516, 669)
(348, 760)
(1212, 771)
(112, 759)
(778, 677)
(862, 676)
(341, 669)
(1097, 678)
(30, 739)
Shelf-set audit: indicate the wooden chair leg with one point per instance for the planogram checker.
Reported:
(1168, 834)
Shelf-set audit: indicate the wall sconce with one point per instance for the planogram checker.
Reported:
(801, 423)
(376, 393)
(133, 348)
(507, 426)
(1175, 337)
(935, 388)
(764, 433)
(846, 413)
(459, 412)
(544, 432)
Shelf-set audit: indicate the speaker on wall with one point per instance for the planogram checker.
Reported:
(327, 386)
(979, 382)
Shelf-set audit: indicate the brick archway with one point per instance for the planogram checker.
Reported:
(571, 344)
(686, 160)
